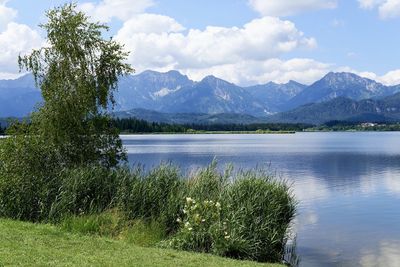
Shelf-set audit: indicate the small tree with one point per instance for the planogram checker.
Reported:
(77, 73)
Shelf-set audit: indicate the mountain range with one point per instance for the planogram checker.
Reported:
(344, 109)
(334, 96)
(189, 118)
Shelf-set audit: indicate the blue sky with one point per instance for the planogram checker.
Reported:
(243, 41)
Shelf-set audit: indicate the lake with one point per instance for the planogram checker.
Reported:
(348, 185)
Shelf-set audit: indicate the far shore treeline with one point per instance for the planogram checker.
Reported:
(140, 126)
(133, 125)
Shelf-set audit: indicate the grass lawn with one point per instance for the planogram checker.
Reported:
(26, 244)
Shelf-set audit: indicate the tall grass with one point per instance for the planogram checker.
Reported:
(260, 210)
(251, 213)
(154, 196)
(243, 214)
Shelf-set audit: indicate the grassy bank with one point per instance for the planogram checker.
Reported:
(240, 215)
(46, 245)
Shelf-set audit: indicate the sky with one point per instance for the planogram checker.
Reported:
(243, 41)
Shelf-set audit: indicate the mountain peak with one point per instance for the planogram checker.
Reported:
(174, 72)
(344, 76)
(346, 80)
(152, 73)
(294, 83)
(212, 80)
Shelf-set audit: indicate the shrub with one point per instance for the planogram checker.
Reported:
(243, 215)
(245, 218)
(201, 225)
(87, 190)
(260, 211)
(156, 196)
(29, 179)
(208, 183)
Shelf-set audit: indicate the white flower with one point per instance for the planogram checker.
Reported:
(187, 224)
(178, 220)
(203, 220)
(190, 228)
(218, 205)
(227, 236)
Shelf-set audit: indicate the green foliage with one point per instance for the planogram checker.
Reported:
(243, 215)
(37, 195)
(133, 125)
(109, 223)
(367, 126)
(260, 211)
(156, 196)
(87, 190)
(247, 217)
(114, 224)
(208, 183)
(77, 73)
(27, 191)
(144, 233)
(201, 227)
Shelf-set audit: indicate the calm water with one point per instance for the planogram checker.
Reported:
(348, 185)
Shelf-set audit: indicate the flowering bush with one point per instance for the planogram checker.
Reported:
(244, 218)
(202, 226)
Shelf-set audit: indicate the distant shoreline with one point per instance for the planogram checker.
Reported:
(251, 132)
(210, 132)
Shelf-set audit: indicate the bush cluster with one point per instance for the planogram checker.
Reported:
(244, 215)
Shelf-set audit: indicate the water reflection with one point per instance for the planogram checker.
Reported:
(348, 185)
(387, 254)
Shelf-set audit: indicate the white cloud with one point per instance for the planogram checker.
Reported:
(391, 78)
(16, 39)
(6, 14)
(150, 24)
(387, 8)
(250, 72)
(159, 43)
(369, 4)
(281, 8)
(386, 254)
(121, 9)
(390, 9)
